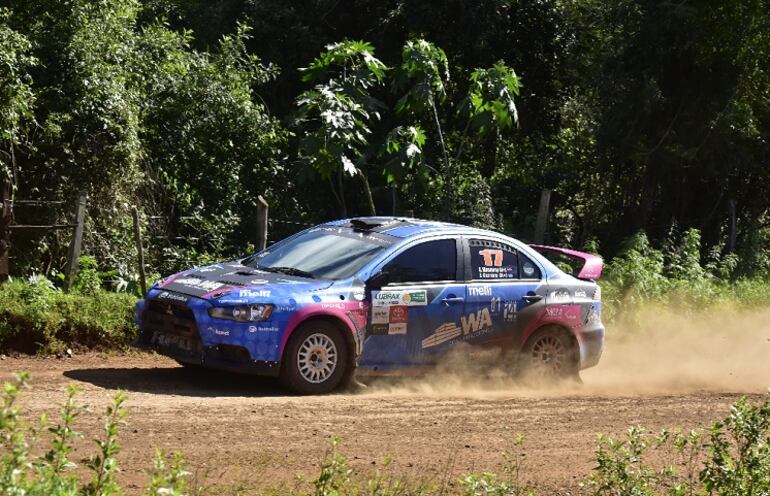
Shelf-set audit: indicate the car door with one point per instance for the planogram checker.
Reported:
(504, 291)
(425, 293)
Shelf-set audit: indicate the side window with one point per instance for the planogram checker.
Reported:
(493, 260)
(429, 261)
(528, 268)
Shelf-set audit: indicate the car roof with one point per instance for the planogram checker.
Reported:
(407, 227)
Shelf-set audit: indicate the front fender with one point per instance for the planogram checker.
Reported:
(350, 315)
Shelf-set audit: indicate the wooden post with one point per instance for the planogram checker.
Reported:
(6, 213)
(542, 215)
(733, 227)
(76, 242)
(139, 250)
(261, 223)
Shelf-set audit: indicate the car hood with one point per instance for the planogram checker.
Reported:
(235, 280)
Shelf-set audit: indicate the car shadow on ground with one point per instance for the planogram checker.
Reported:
(179, 381)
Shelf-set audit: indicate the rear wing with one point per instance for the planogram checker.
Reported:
(592, 264)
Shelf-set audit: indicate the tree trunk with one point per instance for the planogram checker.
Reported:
(368, 193)
(447, 167)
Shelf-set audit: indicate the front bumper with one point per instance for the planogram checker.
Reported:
(182, 329)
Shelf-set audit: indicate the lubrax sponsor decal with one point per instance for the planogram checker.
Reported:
(472, 323)
(194, 282)
(254, 293)
(480, 290)
(409, 298)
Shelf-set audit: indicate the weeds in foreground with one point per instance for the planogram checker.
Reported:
(52, 474)
(732, 458)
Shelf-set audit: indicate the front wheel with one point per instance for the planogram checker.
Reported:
(315, 359)
(550, 354)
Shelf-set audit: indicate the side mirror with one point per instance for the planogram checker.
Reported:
(379, 279)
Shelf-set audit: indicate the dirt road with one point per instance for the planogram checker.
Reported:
(238, 432)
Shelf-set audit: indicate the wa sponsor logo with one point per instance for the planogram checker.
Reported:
(252, 293)
(476, 322)
(472, 323)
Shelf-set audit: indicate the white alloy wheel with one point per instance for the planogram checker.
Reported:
(317, 358)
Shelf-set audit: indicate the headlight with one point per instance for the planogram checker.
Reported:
(242, 313)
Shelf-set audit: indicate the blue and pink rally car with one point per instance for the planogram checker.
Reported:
(378, 293)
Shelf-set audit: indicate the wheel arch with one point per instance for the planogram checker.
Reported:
(345, 328)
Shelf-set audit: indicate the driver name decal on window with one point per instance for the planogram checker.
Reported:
(493, 260)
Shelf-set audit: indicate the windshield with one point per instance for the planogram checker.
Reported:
(322, 253)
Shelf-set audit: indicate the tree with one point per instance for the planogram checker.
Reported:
(339, 112)
(17, 98)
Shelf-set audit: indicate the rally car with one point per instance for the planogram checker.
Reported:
(378, 294)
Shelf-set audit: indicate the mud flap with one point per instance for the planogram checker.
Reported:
(358, 338)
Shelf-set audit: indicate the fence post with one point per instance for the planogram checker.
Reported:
(139, 250)
(6, 211)
(261, 223)
(542, 215)
(76, 242)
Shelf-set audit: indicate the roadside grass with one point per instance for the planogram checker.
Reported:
(732, 458)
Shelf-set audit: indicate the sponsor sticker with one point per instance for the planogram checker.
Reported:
(252, 293)
(474, 323)
(380, 315)
(194, 282)
(380, 329)
(400, 297)
(218, 332)
(166, 295)
(580, 293)
(480, 290)
(399, 314)
(397, 329)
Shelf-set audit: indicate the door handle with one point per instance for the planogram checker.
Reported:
(452, 300)
(532, 297)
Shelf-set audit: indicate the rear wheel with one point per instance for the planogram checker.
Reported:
(551, 354)
(315, 359)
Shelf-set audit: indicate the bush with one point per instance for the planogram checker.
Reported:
(36, 316)
(677, 276)
(733, 459)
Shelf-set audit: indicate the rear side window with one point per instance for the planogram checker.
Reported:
(528, 269)
(429, 261)
(493, 260)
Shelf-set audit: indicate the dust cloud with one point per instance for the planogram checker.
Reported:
(656, 350)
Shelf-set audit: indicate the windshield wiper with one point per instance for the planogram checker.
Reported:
(292, 271)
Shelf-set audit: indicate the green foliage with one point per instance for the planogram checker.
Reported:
(490, 101)
(54, 473)
(36, 316)
(17, 96)
(335, 476)
(733, 458)
(422, 76)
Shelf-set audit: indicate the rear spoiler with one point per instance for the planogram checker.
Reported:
(592, 264)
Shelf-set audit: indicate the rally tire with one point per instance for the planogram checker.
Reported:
(551, 354)
(315, 360)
